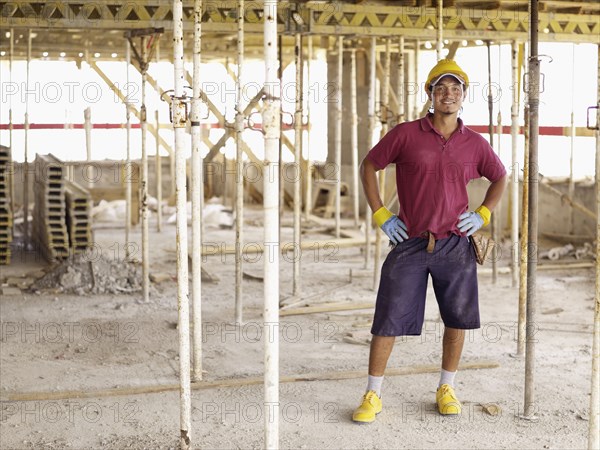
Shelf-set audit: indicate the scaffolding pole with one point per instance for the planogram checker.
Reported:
(144, 177)
(440, 29)
(196, 197)
(385, 89)
(383, 112)
(26, 150)
(158, 166)
(571, 190)
(400, 80)
(179, 110)
(532, 250)
(338, 134)
(594, 430)
(354, 135)
(524, 251)
(493, 223)
(370, 140)
(514, 185)
(298, 162)
(308, 204)
(239, 178)
(87, 124)
(128, 168)
(416, 75)
(271, 130)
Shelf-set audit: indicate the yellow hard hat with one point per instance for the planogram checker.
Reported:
(446, 67)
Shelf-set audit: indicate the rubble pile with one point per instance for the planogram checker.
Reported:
(82, 275)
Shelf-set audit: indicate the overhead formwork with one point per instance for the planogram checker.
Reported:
(60, 25)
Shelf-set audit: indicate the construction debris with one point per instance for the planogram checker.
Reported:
(491, 409)
(556, 253)
(214, 215)
(82, 275)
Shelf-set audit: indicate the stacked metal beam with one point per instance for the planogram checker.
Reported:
(79, 226)
(6, 214)
(49, 211)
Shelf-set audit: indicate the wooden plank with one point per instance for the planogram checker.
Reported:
(327, 307)
(236, 382)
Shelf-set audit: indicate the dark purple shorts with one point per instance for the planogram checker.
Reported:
(400, 307)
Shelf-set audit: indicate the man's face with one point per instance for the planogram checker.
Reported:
(447, 95)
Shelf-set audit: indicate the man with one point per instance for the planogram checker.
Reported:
(435, 158)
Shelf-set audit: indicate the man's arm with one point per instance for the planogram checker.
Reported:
(494, 193)
(470, 222)
(391, 225)
(368, 176)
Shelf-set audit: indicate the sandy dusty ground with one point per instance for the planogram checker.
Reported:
(56, 342)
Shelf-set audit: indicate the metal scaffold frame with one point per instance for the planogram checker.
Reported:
(465, 21)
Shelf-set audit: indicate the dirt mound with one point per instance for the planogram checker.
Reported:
(81, 275)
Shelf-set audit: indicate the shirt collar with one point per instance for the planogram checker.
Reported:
(426, 124)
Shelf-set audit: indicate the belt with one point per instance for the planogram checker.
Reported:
(430, 240)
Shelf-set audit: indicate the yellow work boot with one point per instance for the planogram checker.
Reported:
(446, 400)
(368, 409)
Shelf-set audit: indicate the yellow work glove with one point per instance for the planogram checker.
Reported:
(485, 214)
(391, 225)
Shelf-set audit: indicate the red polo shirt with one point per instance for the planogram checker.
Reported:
(432, 173)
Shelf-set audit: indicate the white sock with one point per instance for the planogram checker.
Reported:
(374, 384)
(447, 377)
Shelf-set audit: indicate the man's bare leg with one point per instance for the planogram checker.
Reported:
(452, 345)
(381, 348)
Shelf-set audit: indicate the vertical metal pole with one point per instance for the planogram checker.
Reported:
(280, 157)
(298, 161)
(271, 129)
(87, 117)
(498, 210)
(385, 88)
(338, 133)
(128, 169)
(158, 166)
(144, 177)
(524, 239)
(354, 135)
(158, 161)
(239, 178)
(440, 29)
(385, 94)
(11, 177)
(25, 162)
(196, 197)
(532, 247)
(179, 123)
(594, 430)
(400, 87)
(416, 111)
(514, 185)
(172, 171)
(370, 140)
(308, 204)
(572, 141)
(491, 132)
